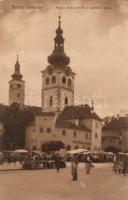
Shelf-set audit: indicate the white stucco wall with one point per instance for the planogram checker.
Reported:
(16, 94)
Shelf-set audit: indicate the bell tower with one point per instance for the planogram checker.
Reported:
(58, 77)
(17, 86)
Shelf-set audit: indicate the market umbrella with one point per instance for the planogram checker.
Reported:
(87, 152)
(77, 151)
(20, 151)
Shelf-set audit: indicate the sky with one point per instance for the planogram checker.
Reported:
(96, 40)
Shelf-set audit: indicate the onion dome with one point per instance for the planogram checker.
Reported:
(58, 56)
(17, 75)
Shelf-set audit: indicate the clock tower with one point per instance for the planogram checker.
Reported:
(58, 77)
(17, 86)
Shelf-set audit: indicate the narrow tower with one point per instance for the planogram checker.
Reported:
(58, 77)
(17, 87)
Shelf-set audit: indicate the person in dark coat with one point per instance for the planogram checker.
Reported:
(74, 166)
(125, 165)
(57, 162)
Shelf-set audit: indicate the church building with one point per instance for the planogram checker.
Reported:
(60, 119)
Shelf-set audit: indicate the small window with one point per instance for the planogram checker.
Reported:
(41, 130)
(11, 86)
(96, 136)
(64, 133)
(47, 81)
(69, 82)
(63, 79)
(74, 134)
(66, 101)
(51, 101)
(48, 130)
(53, 79)
(18, 95)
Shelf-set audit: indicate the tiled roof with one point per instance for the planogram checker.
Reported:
(69, 125)
(78, 112)
(34, 109)
(120, 122)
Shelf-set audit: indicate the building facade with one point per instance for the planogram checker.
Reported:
(61, 120)
(17, 87)
(115, 134)
(75, 126)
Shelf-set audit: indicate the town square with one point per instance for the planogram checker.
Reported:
(47, 184)
(63, 100)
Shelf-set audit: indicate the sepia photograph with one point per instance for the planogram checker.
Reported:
(63, 99)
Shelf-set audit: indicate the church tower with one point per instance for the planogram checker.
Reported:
(58, 77)
(17, 87)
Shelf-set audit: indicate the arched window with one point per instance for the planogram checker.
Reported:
(53, 79)
(18, 85)
(69, 82)
(47, 81)
(51, 101)
(63, 79)
(66, 101)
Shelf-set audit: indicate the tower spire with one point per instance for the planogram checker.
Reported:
(58, 56)
(17, 75)
(17, 57)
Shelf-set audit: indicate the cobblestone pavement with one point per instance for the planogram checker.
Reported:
(47, 184)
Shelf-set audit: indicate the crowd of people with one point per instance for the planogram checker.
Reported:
(74, 165)
(120, 161)
(120, 164)
(34, 160)
(95, 157)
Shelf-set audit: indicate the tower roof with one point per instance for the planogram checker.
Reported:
(58, 56)
(17, 75)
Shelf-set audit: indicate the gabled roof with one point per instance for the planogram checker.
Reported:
(78, 112)
(120, 122)
(69, 125)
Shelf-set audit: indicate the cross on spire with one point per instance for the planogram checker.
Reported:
(92, 104)
(59, 19)
(17, 57)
